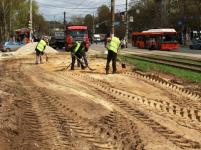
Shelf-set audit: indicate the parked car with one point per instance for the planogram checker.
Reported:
(10, 46)
(196, 44)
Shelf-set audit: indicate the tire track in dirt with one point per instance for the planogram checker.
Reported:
(156, 80)
(9, 117)
(178, 140)
(130, 141)
(126, 130)
(29, 127)
(56, 135)
(168, 107)
(68, 123)
(92, 133)
(33, 130)
(100, 137)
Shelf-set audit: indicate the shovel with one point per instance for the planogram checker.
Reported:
(68, 66)
(82, 63)
(46, 58)
(123, 65)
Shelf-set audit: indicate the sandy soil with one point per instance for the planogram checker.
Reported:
(49, 107)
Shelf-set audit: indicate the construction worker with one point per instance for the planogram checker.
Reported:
(76, 53)
(83, 51)
(113, 44)
(40, 49)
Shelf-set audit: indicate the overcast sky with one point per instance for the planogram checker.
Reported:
(53, 9)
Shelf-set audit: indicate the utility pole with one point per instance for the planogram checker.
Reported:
(31, 22)
(54, 22)
(184, 22)
(64, 20)
(11, 6)
(112, 16)
(93, 24)
(127, 22)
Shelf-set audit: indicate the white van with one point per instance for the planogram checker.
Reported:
(97, 38)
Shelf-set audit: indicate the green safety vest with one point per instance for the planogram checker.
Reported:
(113, 45)
(77, 47)
(41, 45)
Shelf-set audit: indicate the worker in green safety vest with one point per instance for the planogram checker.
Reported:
(40, 49)
(76, 53)
(112, 46)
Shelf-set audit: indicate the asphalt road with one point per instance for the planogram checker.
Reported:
(186, 52)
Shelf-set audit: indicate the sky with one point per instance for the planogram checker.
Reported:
(54, 9)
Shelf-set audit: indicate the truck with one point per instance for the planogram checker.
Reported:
(77, 34)
(58, 39)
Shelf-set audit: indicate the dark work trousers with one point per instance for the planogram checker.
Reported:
(84, 58)
(111, 56)
(39, 57)
(78, 55)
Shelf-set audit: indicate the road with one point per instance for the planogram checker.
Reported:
(48, 107)
(186, 52)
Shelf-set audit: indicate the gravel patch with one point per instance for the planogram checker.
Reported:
(30, 49)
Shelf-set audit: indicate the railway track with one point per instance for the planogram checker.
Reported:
(158, 60)
(167, 55)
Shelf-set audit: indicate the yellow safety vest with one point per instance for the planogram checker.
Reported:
(113, 45)
(41, 45)
(77, 47)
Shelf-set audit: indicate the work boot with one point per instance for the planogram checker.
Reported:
(83, 67)
(72, 67)
(107, 71)
(78, 64)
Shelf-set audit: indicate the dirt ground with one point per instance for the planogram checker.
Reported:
(47, 107)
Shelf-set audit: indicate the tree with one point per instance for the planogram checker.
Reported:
(184, 15)
(103, 20)
(89, 21)
(144, 13)
(14, 14)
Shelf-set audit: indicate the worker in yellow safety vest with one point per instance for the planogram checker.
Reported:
(76, 53)
(112, 46)
(40, 49)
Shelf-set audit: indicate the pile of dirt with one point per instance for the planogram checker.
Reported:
(30, 49)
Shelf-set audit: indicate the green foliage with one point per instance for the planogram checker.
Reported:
(179, 14)
(88, 20)
(14, 14)
(103, 20)
(149, 66)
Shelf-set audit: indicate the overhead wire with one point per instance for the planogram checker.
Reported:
(53, 6)
(80, 7)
